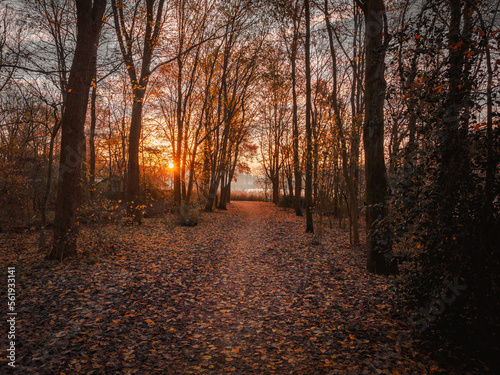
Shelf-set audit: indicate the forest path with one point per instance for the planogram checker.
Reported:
(280, 303)
(244, 292)
(252, 290)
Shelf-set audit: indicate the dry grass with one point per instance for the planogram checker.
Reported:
(244, 196)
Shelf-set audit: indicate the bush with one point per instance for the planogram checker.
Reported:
(447, 239)
(101, 211)
(21, 187)
(286, 201)
(188, 216)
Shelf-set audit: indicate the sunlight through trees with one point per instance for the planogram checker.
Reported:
(379, 117)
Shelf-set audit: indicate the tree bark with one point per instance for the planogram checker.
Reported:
(378, 250)
(212, 194)
(133, 179)
(90, 18)
(491, 163)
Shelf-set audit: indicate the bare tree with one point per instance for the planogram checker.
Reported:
(348, 169)
(89, 22)
(292, 12)
(127, 27)
(308, 186)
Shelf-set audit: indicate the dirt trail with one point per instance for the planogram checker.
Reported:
(281, 304)
(251, 287)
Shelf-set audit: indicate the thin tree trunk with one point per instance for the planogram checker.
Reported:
(184, 167)
(93, 121)
(276, 188)
(124, 157)
(191, 174)
(349, 180)
(222, 204)
(41, 241)
(212, 194)
(295, 174)
(490, 154)
(177, 158)
(308, 187)
(296, 161)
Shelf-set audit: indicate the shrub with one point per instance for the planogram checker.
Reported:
(445, 239)
(101, 211)
(188, 216)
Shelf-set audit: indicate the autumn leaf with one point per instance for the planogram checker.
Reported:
(480, 32)
(458, 45)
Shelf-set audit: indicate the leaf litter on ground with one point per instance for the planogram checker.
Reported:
(244, 292)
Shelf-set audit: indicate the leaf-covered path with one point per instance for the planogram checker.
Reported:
(244, 292)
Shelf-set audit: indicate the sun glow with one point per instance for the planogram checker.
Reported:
(171, 165)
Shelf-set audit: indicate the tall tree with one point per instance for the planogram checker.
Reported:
(376, 40)
(125, 32)
(241, 49)
(297, 172)
(191, 22)
(348, 163)
(308, 187)
(89, 22)
(275, 117)
(46, 60)
(292, 12)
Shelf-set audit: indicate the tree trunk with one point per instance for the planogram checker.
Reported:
(134, 211)
(276, 187)
(93, 121)
(212, 193)
(295, 121)
(491, 163)
(41, 241)
(192, 166)
(224, 191)
(378, 250)
(178, 151)
(184, 168)
(289, 180)
(90, 17)
(124, 157)
(151, 33)
(347, 169)
(454, 174)
(308, 187)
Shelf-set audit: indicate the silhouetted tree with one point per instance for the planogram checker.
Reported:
(89, 22)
